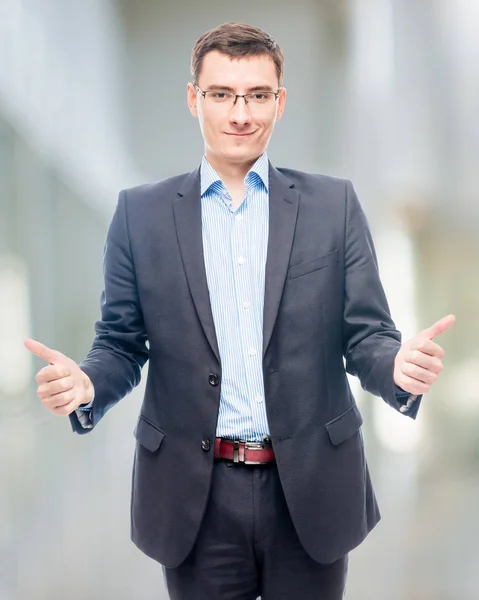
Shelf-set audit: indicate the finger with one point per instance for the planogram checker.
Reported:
(52, 356)
(418, 373)
(51, 373)
(55, 387)
(67, 409)
(439, 327)
(413, 386)
(427, 346)
(426, 361)
(59, 400)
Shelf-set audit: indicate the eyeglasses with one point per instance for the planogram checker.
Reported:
(255, 99)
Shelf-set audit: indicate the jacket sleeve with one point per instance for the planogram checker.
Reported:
(119, 349)
(370, 338)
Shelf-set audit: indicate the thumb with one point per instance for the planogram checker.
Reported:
(439, 327)
(51, 356)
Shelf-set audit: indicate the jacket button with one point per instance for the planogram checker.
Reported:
(213, 379)
(206, 445)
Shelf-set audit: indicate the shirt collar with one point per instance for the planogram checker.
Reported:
(259, 173)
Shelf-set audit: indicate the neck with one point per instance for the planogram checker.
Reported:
(232, 174)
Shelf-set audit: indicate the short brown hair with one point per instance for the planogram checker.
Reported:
(236, 40)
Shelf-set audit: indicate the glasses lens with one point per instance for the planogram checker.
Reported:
(220, 97)
(261, 98)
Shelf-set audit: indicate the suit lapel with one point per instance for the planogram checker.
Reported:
(187, 214)
(283, 210)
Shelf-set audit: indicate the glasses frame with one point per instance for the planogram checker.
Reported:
(244, 96)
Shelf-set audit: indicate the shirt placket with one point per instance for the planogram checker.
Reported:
(243, 302)
(255, 331)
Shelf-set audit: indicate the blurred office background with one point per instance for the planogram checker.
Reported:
(92, 100)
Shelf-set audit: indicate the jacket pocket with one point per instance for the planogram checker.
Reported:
(148, 435)
(345, 425)
(313, 265)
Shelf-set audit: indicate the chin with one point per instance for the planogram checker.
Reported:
(242, 154)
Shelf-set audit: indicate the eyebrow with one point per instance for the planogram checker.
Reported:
(256, 88)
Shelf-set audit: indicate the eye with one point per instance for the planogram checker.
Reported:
(219, 96)
(261, 97)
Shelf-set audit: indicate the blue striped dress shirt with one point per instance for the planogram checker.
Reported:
(235, 244)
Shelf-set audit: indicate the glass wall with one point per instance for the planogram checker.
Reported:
(383, 92)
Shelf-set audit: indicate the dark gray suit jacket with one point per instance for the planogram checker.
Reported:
(323, 301)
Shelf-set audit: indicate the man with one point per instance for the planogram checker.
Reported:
(250, 284)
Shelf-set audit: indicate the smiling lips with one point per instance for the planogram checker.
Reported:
(240, 134)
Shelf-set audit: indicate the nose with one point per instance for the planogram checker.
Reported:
(240, 114)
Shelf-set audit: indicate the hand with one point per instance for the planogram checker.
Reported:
(62, 385)
(419, 360)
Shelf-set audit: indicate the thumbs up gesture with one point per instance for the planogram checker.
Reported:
(62, 385)
(419, 360)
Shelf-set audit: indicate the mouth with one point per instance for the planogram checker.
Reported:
(239, 135)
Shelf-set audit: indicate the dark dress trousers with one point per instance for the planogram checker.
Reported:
(323, 301)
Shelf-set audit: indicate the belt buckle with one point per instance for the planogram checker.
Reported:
(255, 446)
(236, 451)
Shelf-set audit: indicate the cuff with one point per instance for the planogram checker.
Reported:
(405, 408)
(405, 399)
(84, 418)
(83, 414)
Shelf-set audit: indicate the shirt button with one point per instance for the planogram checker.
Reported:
(239, 217)
(213, 379)
(206, 445)
(246, 304)
(259, 398)
(251, 351)
(241, 260)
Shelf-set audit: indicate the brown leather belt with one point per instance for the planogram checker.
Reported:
(249, 453)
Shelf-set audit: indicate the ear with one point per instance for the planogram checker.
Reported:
(281, 104)
(192, 99)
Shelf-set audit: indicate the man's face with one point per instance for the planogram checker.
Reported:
(236, 134)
